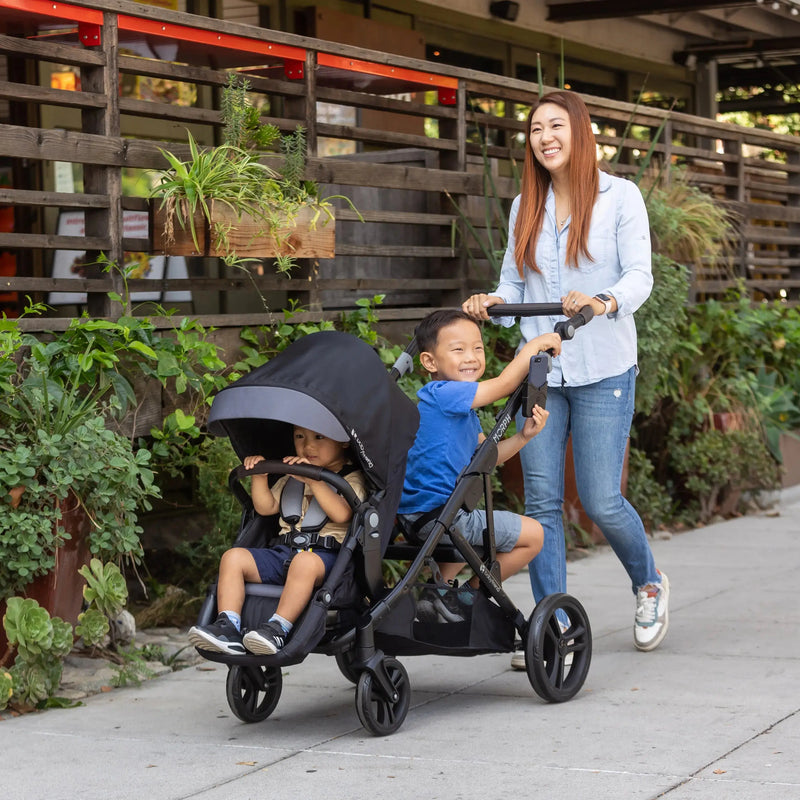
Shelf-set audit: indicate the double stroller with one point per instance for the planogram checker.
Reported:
(332, 381)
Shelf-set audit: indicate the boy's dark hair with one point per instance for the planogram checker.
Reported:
(427, 331)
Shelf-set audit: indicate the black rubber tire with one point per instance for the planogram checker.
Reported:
(344, 660)
(558, 663)
(381, 715)
(253, 691)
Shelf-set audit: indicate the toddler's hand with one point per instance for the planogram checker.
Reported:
(535, 422)
(250, 461)
(299, 460)
(550, 341)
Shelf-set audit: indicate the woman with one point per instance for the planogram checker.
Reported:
(581, 237)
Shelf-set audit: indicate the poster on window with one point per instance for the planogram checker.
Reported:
(70, 263)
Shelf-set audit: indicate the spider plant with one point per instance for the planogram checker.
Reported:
(233, 175)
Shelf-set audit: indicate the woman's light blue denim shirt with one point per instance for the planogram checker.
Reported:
(619, 243)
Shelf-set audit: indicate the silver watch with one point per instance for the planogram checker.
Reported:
(606, 300)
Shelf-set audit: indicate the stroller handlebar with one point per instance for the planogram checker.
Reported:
(564, 328)
(524, 309)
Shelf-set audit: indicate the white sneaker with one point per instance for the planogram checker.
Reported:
(518, 657)
(518, 660)
(652, 615)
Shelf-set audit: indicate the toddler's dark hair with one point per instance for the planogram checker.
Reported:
(427, 331)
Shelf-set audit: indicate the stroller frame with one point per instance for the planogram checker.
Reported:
(557, 656)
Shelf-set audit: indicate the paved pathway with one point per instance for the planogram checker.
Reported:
(713, 714)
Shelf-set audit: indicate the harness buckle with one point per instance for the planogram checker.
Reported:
(300, 540)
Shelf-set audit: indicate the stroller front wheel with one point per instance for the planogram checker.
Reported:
(253, 691)
(558, 648)
(379, 714)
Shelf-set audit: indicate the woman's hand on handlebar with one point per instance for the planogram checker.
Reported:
(476, 305)
(574, 301)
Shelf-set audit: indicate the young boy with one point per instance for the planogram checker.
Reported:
(451, 350)
(300, 570)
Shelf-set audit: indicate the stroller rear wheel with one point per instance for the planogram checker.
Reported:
(558, 648)
(253, 691)
(379, 714)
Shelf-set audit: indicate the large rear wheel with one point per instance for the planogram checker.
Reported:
(558, 648)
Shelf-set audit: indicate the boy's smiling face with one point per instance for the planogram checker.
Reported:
(458, 354)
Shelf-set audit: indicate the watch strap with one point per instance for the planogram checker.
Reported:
(606, 300)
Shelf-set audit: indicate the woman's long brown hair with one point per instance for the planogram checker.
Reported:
(583, 185)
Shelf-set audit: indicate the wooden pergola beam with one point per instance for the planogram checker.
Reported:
(578, 10)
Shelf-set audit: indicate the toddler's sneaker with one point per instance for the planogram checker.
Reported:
(652, 615)
(220, 636)
(266, 639)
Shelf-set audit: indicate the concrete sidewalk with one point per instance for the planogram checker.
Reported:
(713, 714)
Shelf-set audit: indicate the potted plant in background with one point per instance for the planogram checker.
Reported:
(70, 485)
(224, 201)
(41, 641)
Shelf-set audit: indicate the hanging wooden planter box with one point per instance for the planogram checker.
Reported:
(244, 235)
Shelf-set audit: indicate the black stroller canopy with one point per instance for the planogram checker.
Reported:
(329, 382)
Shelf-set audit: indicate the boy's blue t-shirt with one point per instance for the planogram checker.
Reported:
(446, 439)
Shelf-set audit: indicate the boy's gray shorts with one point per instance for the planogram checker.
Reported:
(507, 527)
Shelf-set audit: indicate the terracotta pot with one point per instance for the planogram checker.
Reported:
(60, 591)
(573, 510)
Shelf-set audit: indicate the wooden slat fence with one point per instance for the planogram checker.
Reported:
(414, 245)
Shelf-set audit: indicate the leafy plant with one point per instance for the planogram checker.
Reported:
(233, 175)
(688, 226)
(66, 400)
(132, 668)
(105, 587)
(41, 643)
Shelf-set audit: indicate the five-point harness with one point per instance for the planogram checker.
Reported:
(306, 537)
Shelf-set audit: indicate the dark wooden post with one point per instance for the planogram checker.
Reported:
(738, 194)
(458, 265)
(793, 202)
(305, 109)
(100, 178)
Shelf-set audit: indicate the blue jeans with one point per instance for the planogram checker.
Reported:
(599, 418)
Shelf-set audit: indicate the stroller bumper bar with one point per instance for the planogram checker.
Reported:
(304, 471)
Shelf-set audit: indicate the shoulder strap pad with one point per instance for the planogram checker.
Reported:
(292, 508)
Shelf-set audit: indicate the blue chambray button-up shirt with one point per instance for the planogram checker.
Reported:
(619, 242)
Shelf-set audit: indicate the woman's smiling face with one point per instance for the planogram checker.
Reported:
(551, 136)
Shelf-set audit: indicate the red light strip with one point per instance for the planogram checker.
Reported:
(400, 73)
(201, 36)
(75, 13)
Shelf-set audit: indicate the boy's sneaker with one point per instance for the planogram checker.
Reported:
(220, 636)
(652, 615)
(266, 639)
(434, 607)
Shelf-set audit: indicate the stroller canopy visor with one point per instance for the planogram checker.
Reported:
(329, 382)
